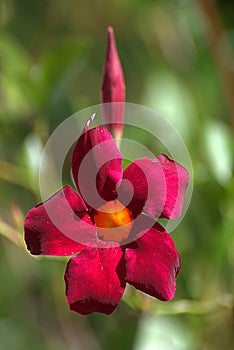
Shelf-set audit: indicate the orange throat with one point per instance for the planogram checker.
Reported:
(113, 221)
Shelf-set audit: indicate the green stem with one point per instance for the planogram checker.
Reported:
(220, 51)
(10, 233)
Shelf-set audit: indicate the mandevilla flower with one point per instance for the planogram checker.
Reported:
(113, 88)
(110, 227)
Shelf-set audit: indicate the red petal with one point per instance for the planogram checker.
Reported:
(96, 166)
(95, 280)
(177, 179)
(153, 265)
(158, 187)
(113, 87)
(55, 227)
(148, 191)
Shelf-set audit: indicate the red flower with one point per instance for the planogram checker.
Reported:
(113, 88)
(116, 242)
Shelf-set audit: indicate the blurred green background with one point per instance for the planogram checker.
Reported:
(177, 58)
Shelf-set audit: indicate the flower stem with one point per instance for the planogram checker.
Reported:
(220, 51)
(10, 233)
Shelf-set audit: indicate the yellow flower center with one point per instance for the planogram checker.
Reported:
(115, 217)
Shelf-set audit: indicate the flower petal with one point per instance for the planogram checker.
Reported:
(59, 225)
(158, 187)
(147, 180)
(177, 179)
(96, 166)
(95, 280)
(153, 263)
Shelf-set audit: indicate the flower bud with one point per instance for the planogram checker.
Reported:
(113, 88)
